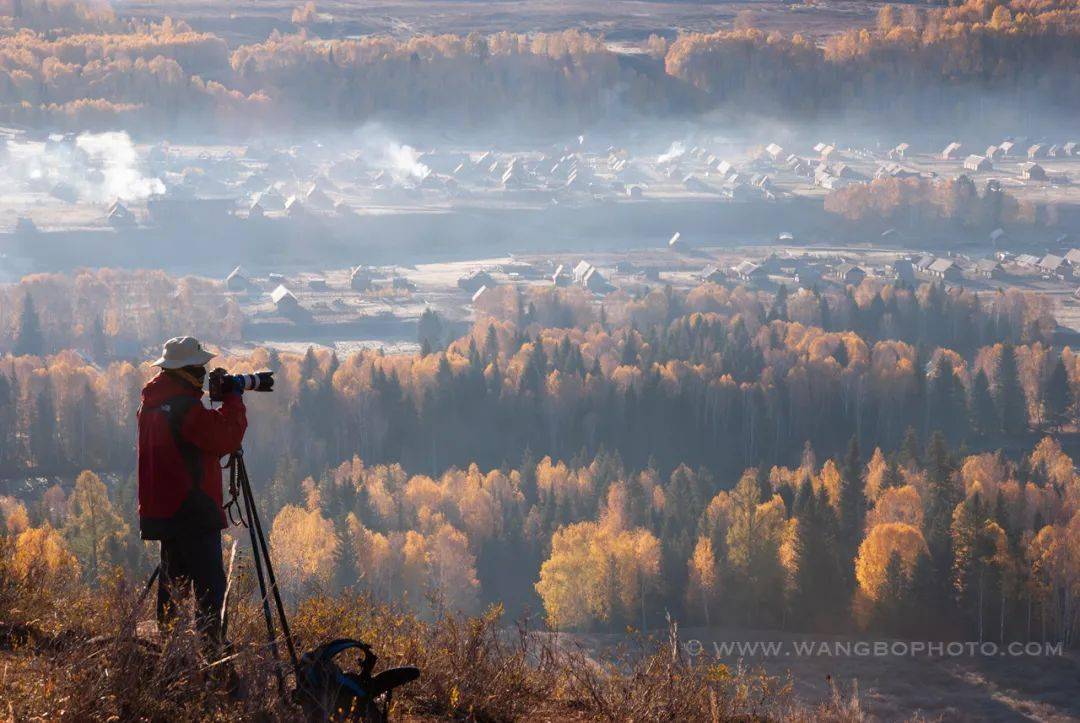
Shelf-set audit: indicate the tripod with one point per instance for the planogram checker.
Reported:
(323, 690)
(242, 505)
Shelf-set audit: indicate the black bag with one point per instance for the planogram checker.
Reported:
(325, 692)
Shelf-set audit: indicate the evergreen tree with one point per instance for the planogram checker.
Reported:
(309, 365)
(9, 452)
(1008, 394)
(851, 508)
(93, 529)
(889, 612)
(491, 344)
(984, 416)
(429, 329)
(816, 566)
(941, 497)
(779, 309)
(945, 400)
(99, 347)
(765, 489)
(909, 449)
(29, 339)
(1057, 396)
(43, 440)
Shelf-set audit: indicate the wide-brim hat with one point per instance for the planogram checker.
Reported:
(182, 351)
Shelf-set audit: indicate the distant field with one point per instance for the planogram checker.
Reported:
(627, 21)
(962, 688)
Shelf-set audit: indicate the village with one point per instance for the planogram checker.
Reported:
(348, 245)
(369, 306)
(57, 185)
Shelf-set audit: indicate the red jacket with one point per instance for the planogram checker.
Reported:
(180, 445)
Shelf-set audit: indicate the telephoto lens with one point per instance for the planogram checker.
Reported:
(258, 382)
(222, 383)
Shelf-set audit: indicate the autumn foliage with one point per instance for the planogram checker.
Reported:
(99, 72)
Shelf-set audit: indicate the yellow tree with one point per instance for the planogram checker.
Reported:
(703, 577)
(636, 555)
(373, 555)
(596, 570)
(452, 569)
(13, 516)
(93, 528)
(569, 577)
(897, 504)
(1055, 556)
(754, 537)
(882, 542)
(42, 559)
(305, 548)
(876, 469)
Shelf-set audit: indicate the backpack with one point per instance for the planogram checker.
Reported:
(325, 692)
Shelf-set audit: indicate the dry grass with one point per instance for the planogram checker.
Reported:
(70, 652)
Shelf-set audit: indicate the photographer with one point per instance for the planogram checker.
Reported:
(180, 496)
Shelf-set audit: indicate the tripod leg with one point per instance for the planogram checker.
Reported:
(255, 524)
(267, 615)
(228, 590)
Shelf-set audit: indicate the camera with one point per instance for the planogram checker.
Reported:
(222, 383)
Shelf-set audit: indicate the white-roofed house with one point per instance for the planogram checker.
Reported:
(849, 274)
(285, 301)
(1055, 265)
(594, 281)
(237, 281)
(1032, 172)
(474, 280)
(580, 270)
(951, 151)
(748, 271)
(989, 269)
(944, 269)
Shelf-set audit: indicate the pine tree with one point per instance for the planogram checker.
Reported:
(816, 567)
(941, 498)
(8, 415)
(851, 508)
(946, 407)
(779, 309)
(888, 612)
(491, 345)
(309, 365)
(29, 340)
(99, 348)
(892, 477)
(1008, 394)
(93, 528)
(765, 489)
(909, 449)
(43, 440)
(1057, 396)
(430, 329)
(984, 416)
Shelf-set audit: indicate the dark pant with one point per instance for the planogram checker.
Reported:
(193, 560)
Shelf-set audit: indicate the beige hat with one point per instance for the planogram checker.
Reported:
(183, 351)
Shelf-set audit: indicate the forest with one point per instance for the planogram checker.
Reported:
(921, 203)
(939, 63)
(879, 457)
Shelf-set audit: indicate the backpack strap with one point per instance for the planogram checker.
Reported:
(175, 409)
